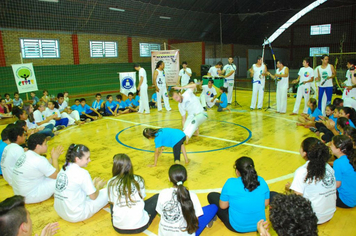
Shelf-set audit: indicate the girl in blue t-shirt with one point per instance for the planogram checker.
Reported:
(308, 120)
(222, 104)
(349, 113)
(243, 199)
(345, 171)
(167, 137)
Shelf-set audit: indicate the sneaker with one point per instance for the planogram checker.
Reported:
(210, 224)
(59, 127)
(205, 109)
(314, 130)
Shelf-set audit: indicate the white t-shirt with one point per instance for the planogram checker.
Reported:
(72, 188)
(62, 106)
(305, 75)
(38, 116)
(228, 68)
(30, 171)
(11, 153)
(321, 194)
(284, 81)
(209, 94)
(257, 72)
(349, 93)
(214, 71)
(161, 79)
(172, 221)
(132, 217)
(31, 125)
(190, 104)
(185, 77)
(142, 73)
(49, 112)
(323, 74)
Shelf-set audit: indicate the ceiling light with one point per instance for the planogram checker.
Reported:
(116, 9)
(48, 0)
(165, 17)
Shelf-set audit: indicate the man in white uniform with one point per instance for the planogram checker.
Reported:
(208, 95)
(12, 152)
(159, 81)
(349, 95)
(305, 77)
(229, 72)
(34, 177)
(184, 74)
(142, 87)
(214, 71)
(282, 77)
(258, 72)
(188, 102)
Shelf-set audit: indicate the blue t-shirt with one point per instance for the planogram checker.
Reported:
(2, 147)
(345, 173)
(223, 99)
(85, 109)
(316, 113)
(96, 104)
(121, 104)
(245, 208)
(352, 124)
(168, 137)
(35, 100)
(17, 102)
(154, 97)
(74, 107)
(137, 99)
(130, 103)
(112, 106)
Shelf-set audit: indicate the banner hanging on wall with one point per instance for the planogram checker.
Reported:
(25, 77)
(127, 82)
(171, 64)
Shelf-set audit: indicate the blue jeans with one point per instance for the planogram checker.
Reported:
(209, 213)
(47, 130)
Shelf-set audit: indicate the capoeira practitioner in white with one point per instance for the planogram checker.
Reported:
(159, 81)
(258, 72)
(305, 77)
(184, 74)
(282, 77)
(229, 74)
(189, 103)
(142, 87)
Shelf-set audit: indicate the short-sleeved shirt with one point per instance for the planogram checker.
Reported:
(223, 99)
(322, 194)
(345, 173)
(73, 185)
(2, 147)
(49, 112)
(121, 104)
(62, 106)
(17, 102)
(305, 74)
(228, 68)
(30, 171)
(11, 153)
(85, 109)
(316, 113)
(112, 105)
(168, 137)
(245, 208)
(97, 105)
(38, 116)
(137, 98)
(130, 215)
(214, 72)
(172, 221)
(74, 107)
(209, 94)
(185, 77)
(130, 103)
(154, 97)
(35, 100)
(190, 104)
(142, 73)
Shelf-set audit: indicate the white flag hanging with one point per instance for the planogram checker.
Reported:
(25, 77)
(127, 82)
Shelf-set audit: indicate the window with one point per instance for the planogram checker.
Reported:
(103, 49)
(320, 29)
(39, 48)
(318, 50)
(146, 48)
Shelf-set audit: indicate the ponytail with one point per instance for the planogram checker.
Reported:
(248, 173)
(158, 64)
(343, 122)
(345, 145)
(177, 175)
(74, 150)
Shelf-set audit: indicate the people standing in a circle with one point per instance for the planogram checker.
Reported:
(282, 76)
(229, 74)
(159, 81)
(258, 72)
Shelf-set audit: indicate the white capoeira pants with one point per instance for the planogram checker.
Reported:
(43, 191)
(257, 88)
(303, 91)
(163, 93)
(193, 122)
(229, 84)
(144, 106)
(202, 99)
(72, 117)
(282, 98)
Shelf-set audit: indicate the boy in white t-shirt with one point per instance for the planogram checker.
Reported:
(12, 152)
(214, 71)
(34, 177)
(208, 95)
(184, 74)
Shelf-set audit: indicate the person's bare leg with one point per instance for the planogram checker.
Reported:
(186, 139)
(184, 154)
(196, 132)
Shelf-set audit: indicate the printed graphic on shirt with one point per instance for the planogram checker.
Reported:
(306, 74)
(20, 161)
(329, 179)
(171, 211)
(62, 182)
(3, 156)
(324, 75)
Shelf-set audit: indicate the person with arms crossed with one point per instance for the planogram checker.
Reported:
(229, 74)
(159, 81)
(258, 72)
(142, 87)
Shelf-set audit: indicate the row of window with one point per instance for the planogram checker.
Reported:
(49, 48)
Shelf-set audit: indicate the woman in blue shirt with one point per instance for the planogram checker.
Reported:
(167, 137)
(243, 199)
(345, 171)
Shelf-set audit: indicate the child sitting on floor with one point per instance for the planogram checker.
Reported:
(121, 105)
(222, 104)
(308, 120)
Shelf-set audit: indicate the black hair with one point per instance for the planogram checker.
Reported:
(26, 107)
(6, 94)
(12, 214)
(136, 65)
(351, 61)
(83, 100)
(318, 155)
(346, 146)
(258, 58)
(223, 89)
(130, 93)
(184, 63)
(293, 215)
(343, 122)
(108, 96)
(45, 91)
(60, 95)
(331, 107)
(55, 104)
(351, 112)
(337, 102)
(20, 123)
(76, 100)
(119, 96)
(150, 133)
(211, 81)
(16, 93)
(18, 112)
(5, 134)
(98, 94)
(219, 63)
(2, 99)
(351, 133)
(323, 56)
(159, 63)
(249, 176)
(307, 60)
(14, 132)
(36, 139)
(178, 175)
(74, 150)
(313, 102)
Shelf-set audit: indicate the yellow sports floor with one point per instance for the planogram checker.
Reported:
(271, 139)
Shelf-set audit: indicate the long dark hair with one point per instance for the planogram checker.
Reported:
(74, 150)
(345, 145)
(313, 102)
(318, 155)
(150, 133)
(124, 178)
(351, 133)
(158, 64)
(26, 107)
(249, 176)
(343, 122)
(351, 112)
(178, 175)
